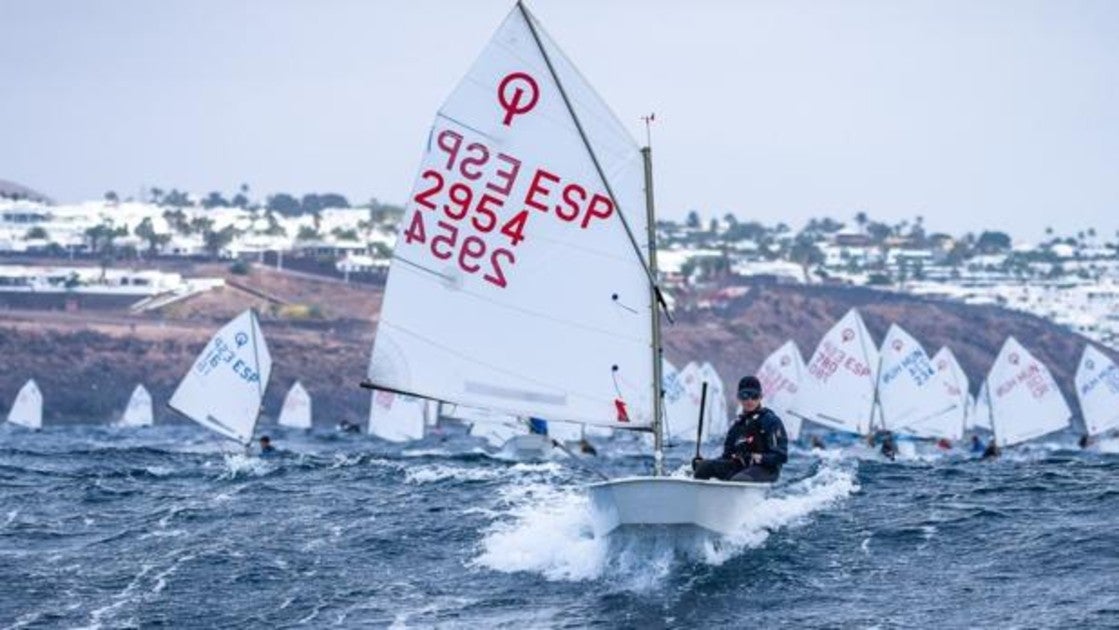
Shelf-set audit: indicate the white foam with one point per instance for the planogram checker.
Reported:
(1109, 445)
(241, 464)
(434, 473)
(548, 530)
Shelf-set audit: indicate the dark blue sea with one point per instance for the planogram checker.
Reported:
(167, 526)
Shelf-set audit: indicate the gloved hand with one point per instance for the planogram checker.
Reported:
(696, 462)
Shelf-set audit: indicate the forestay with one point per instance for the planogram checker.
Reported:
(1025, 400)
(27, 410)
(224, 388)
(838, 382)
(1097, 388)
(138, 413)
(780, 375)
(296, 412)
(399, 418)
(909, 395)
(514, 285)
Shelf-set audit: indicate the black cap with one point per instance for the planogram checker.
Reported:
(749, 387)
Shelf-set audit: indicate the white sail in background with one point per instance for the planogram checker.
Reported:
(296, 412)
(909, 394)
(1097, 388)
(399, 418)
(510, 240)
(1025, 400)
(980, 416)
(27, 410)
(837, 388)
(716, 417)
(224, 388)
(780, 375)
(953, 386)
(681, 408)
(138, 413)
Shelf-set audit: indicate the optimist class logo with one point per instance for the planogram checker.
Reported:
(511, 94)
(848, 334)
(785, 361)
(1014, 358)
(898, 345)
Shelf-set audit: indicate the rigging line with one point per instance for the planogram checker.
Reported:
(253, 329)
(515, 375)
(594, 159)
(525, 311)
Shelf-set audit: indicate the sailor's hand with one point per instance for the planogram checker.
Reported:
(696, 462)
(756, 458)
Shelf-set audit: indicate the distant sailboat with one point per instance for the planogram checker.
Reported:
(954, 387)
(138, 413)
(781, 374)
(225, 386)
(910, 397)
(398, 417)
(1023, 400)
(716, 419)
(27, 410)
(296, 412)
(1097, 388)
(681, 402)
(526, 228)
(839, 381)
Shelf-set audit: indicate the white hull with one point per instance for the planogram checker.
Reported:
(716, 506)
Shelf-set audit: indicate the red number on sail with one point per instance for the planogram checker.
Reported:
(473, 248)
(422, 197)
(449, 238)
(461, 196)
(415, 231)
(514, 228)
(487, 215)
(498, 275)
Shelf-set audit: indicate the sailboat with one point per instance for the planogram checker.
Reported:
(1097, 388)
(524, 275)
(138, 413)
(840, 380)
(910, 397)
(225, 386)
(296, 412)
(1023, 400)
(780, 375)
(399, 417)
(954, 387)
(27, 410)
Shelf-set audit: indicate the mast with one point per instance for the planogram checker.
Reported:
(990, 410)
(655, 319)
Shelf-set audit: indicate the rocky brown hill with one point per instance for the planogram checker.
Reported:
(320, 332)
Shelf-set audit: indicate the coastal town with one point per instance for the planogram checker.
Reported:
(115, 247)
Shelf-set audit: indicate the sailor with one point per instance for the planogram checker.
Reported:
(977, 446)
(1084, 441)
(992, 450)
(817, 443)
(889, 448)
(266, 448)
(944, 444)
(756, 445)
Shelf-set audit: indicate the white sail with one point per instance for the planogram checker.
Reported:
(138, 413)
(909, 395)
(780, 375)
(224, 388)
(511, 239)
(27, 410)
(1025, 400)
(953, 386)
(980, 415)
(296, 412)
(1097, 388)
(838, 382)
(399, 418)
(681, 407)
(716, 417)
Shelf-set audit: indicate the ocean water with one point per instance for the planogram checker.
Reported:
(106, 528)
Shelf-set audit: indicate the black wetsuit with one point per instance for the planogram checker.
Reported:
(760, 432)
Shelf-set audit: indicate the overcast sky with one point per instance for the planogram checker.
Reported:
(972, 113)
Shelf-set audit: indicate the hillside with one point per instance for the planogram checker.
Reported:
(320, 332)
